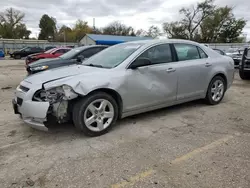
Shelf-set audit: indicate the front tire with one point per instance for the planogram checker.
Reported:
(216, 90)
(95, 114)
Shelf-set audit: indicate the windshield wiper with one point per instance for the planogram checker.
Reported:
(93, 65)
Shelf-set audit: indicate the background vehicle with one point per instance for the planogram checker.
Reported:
(2, 53)
(74, 56)
(25, 52)
(123, 80)
(244, 66)
(49, 47)
(219, 51)
(52, 53)
(236, 54)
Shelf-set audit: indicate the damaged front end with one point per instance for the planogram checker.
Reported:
(58, 99)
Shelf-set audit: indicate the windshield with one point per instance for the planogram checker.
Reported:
(72, 53)
(113, 56)
(23, 49)
(49, 51)
(231, 50)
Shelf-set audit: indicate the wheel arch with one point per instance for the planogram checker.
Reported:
(224, 77)
(221, 74)
(117, 97)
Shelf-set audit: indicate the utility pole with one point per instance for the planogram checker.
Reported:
(94, 25)
(64, 37)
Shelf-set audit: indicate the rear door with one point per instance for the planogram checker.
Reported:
(192, 68)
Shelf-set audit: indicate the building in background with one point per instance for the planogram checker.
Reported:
(92, 39)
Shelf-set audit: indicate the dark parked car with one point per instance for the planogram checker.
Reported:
(244, 65)
(25, 52)
(219, 51)
(74, 56)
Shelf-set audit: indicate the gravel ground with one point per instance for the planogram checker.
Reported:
(185, 146)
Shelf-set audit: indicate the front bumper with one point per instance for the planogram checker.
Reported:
(31, 112)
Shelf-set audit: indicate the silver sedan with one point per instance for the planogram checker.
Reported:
(123, 80)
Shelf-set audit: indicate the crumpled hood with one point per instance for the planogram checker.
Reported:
(62, 72)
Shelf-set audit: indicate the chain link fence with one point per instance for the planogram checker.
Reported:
(10, 45)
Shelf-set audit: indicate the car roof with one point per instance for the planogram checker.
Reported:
(61, 47)
(156, 41)
(90, 46)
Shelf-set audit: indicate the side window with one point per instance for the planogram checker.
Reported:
(186, 52)
(89, 52)
(158, 54)
(203, 54)
(28, 49)
(102, 48)
(37, 49)
(66, 50)
(60, 51)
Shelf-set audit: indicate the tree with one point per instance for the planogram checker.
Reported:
(65, 34)
(12, 26)
(80, 29)
(22, 32)
(231, 31)
(96, 30)
(222, 26)
(175, 30)
(153, 31)
(206, 23)
(117, 28)
(74, 34)
(48, 28)
(194, 17)
(141, 33)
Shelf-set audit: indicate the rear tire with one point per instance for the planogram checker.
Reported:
(243, 75)
(95, 114)
(216, 90)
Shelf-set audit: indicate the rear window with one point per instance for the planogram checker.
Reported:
(186, 52)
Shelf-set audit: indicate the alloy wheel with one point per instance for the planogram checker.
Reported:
(99, 115)
(217, 90)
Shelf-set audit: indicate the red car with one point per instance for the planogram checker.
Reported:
(52, 53)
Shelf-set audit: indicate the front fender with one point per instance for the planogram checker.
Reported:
(83, 86)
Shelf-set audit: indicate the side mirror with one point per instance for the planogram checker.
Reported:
(140, 62)
(80, 58)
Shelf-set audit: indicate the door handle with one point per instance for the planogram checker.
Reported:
(171, 70)
(208, 65)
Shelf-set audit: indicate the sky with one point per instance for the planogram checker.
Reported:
(139, 14)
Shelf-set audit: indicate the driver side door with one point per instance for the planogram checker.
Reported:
(152, 85)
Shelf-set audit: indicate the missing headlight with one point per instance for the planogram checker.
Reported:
(54, 95)
(51, 96)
